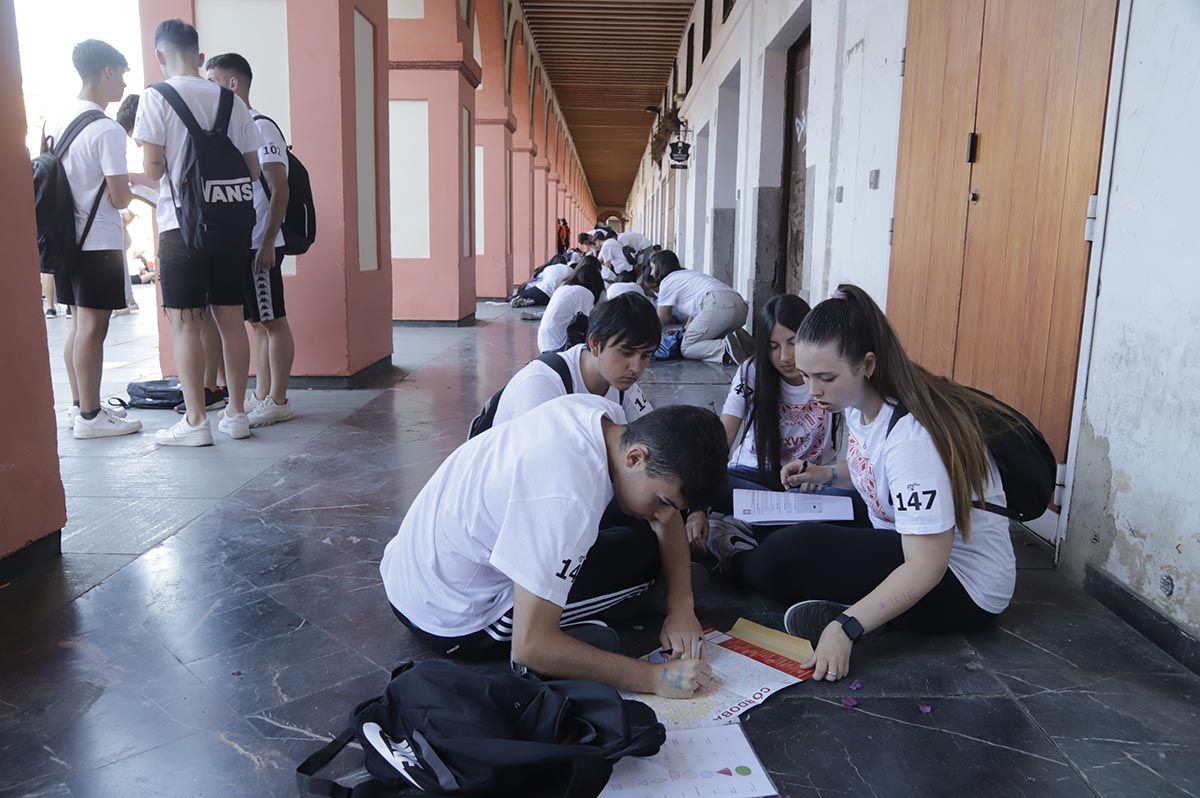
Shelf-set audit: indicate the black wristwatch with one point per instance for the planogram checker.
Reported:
(850, 626)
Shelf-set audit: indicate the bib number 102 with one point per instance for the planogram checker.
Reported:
(914, 502)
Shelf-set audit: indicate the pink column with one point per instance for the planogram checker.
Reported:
(494, 126)
(540, 213)
(552, 214)
(522, 214)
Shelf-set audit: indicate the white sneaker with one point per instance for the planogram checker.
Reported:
(104, 425)
(115, 410)
(235, 427)
(184, 434)
(267, 412)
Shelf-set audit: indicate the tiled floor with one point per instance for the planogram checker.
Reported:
(218, 612)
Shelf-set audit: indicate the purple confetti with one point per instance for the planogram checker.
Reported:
(925, 710)
(856, 685)
(849, 703)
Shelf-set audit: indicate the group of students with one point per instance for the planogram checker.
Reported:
(581, 497)
(210, 287)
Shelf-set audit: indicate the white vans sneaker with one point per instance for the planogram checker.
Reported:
(266, 413)
(105, 425)
(235, 427)
(184, 434)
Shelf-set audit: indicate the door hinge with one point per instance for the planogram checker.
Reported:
(891, 229)
(903, 57)
(1089, 223)
(1060, 484)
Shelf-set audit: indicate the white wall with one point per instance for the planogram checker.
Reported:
(409, 177)
(364, 107)
(406, 9)
(1134, 497)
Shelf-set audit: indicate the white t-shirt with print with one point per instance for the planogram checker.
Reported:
(552, 276)
(906, 487)
(616, 289)
(157, 123)
(519, 504)
(805, 429)
(613, 256)
(537, 383)
(273, 150)
(567, 301)
(97, 152)
(632, 238)
(684, 289)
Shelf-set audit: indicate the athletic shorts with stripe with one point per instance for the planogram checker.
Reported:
(622, 564)
(263, 299)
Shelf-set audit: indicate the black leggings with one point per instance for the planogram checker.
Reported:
(843, 564)
(538, 296)
(622, 563)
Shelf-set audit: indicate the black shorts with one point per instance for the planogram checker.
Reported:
(212, 276)
(263, 296)
(96, 281)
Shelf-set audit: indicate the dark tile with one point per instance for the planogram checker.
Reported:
(339, 591)
(321, 715)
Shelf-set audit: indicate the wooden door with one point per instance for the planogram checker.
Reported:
(933, 177)
(795, 159)
(1043, 84)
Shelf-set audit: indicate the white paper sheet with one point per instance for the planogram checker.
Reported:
(694, 763)
(785, 507)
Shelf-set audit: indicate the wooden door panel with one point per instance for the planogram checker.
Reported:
(1042, 88)
(933, 176)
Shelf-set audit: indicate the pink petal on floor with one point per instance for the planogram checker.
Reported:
(849, 703)
(925, 710)
(856, 685)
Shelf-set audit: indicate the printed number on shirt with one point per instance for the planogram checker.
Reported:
(743, 389)
(639, 403)
(568, 572)
(273, 149)
(915, 500)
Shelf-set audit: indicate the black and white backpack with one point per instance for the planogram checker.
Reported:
(215, 200)
(54, 204)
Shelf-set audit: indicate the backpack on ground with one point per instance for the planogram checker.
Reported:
(215, 200)
(487, 416)
(300, 222)
(155, 394)
(443, 728)
(54, 205)
(1026, 463)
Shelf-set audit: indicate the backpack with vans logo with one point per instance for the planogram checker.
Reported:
(447, 729)
(300, 222)
(1028, 470)
(53, 203)
(215, 201)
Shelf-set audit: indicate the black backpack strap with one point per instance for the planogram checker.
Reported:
(262, 175)
(899, 411)
(87, 227)
(73, 129)
(181, 109)
(306, 778)
(224, 112)
(556, 362)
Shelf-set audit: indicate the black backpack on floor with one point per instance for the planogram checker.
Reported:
(447, 729)
(300, 222)
(155, 394)
(54, 205)
(487, 416)
(215, 201)
(1028, 470)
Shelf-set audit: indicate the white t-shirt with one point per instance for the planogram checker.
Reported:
(633, 239)
(906, 487)
(552, 276)
(157, 123)
(537, 383)
(616, 289)
(805, 429)
(567, 301)
(684, 289)
(520, 503)
(273, 150)
(97, 152)
(612, 256)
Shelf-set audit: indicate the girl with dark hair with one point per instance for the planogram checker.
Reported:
(576, 297)
(933, 559)
(542, 283)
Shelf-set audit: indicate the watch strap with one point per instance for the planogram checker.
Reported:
(850, 626)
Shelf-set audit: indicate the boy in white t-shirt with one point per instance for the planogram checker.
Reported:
(274, 347)
(713, 311)
(611, 256)
(502, 546)
(196, 283)
(98, 176)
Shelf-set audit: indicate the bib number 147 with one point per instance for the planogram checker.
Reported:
(914, 501)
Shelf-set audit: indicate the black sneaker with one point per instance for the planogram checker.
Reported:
(68, 311)
(51, 313)
(808, 619)
(213, 400)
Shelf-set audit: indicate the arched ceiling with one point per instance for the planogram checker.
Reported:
(607, 60)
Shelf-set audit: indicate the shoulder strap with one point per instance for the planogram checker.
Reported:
(224, 112)
(180, 107)
(556, 362)
(257, 117)
(74, 129)
(899, 411)
(309, 782)
(87, 227)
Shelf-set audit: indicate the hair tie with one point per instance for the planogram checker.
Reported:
(839, 294)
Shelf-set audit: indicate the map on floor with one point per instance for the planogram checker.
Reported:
(786, 507)
(752, 664)
(694, 763)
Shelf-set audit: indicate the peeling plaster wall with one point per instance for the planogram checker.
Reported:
(1135, 509)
